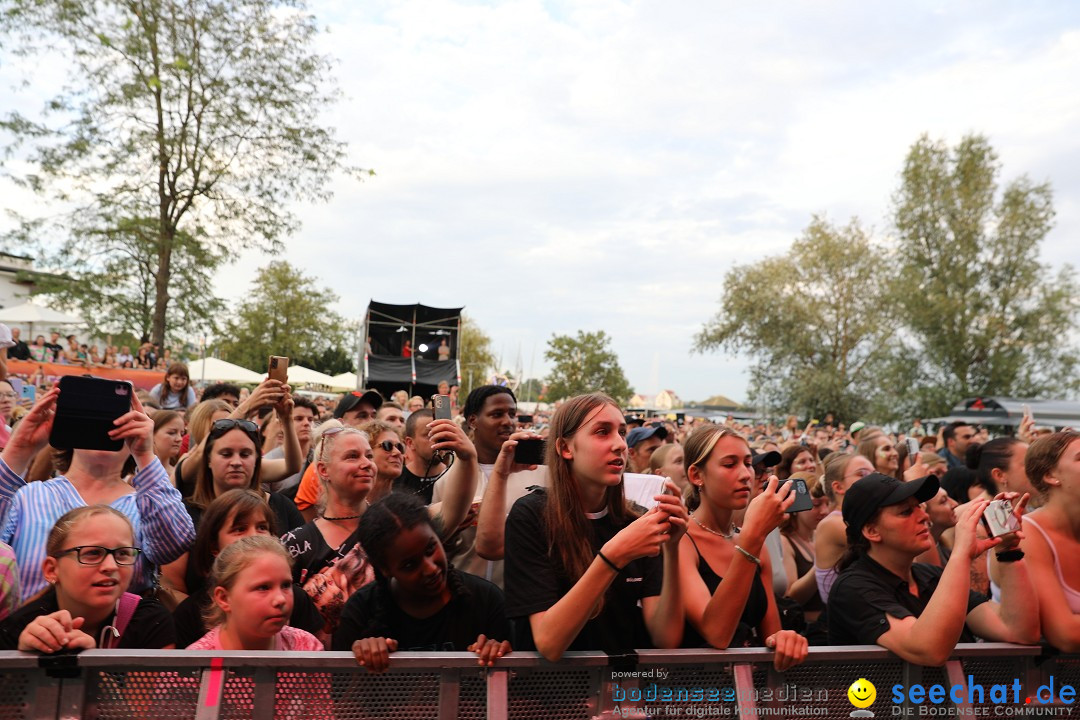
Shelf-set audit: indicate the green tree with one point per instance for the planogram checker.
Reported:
(287, 314)
(985, 315)
(115, 292)
(816, 322)
(585, 364)
(188, 126)
(475, 355)
(531, 390)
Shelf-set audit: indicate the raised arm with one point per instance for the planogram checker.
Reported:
(556, 628)
(930, 638)
(166, 528)
(1060, 624)
(491, 522)
(275, 469)
(460, 480)
(665, 615)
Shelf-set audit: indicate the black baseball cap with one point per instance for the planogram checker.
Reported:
(766, 459)
(354, 398)
(875, 491)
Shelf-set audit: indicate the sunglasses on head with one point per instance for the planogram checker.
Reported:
(224, 425)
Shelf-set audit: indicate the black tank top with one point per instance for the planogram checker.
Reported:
(757, 604)
(804, 565)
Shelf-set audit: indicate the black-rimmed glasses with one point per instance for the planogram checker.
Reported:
(95, 554)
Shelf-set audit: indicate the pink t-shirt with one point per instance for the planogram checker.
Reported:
(289, 638)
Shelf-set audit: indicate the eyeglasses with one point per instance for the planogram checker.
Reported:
(95, 554)
(224, 425)
(9, 395)
(390, 446)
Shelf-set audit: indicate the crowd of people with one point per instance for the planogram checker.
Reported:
(268, 520)
(69, 351)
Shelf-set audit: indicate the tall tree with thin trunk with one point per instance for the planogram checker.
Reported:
(185, 121)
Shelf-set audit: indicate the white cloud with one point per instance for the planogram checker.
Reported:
(600, 164)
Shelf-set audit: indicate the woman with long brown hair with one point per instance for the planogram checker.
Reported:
(734, 608)
(581, 565)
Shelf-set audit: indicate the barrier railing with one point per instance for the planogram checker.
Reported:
(987, 679)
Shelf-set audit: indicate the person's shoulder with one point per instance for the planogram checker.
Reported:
(209, 641)
(293, 638)
(530, 504)
(925, 572)
(477, 585)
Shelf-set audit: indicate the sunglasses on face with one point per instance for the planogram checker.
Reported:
(390, 446)
(95, 554)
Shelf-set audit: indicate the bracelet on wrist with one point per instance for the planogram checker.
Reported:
(749, 555)
(610, 564)
(1008, 556)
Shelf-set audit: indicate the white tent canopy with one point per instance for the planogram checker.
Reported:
(300, 375)
(345, 381)
(30, 314)
(215, 370)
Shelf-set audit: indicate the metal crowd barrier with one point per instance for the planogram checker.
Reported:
(164, 685)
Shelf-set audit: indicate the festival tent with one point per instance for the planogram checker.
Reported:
(300, 375)
(31, 314)
(345, 381)
(214, 370)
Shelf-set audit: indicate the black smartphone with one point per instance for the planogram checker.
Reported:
(441, 405)
(803, 501)
(530, 451)
(524, 419)
(87, 410)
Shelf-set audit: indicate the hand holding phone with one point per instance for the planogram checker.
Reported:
(278, 368)
(999, 518)
(803, 501)
(530, 451)
(441, 405)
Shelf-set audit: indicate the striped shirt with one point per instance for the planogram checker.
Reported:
(28, 512)
(9, 581)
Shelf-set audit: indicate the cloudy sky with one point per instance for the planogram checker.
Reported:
(599, 165)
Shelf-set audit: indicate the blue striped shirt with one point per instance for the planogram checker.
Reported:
(28, 512)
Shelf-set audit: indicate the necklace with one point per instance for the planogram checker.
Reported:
(346, 517)
(727, 536)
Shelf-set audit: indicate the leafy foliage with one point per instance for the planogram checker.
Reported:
(187, 127)
(583, 364)
(986, 316)
(475, 355)
(287, 314)
(815, 320)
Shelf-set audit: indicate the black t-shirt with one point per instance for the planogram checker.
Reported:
(150, 627)
(865, 592)
(411, 484)
(187, 617)
(535, 581)
(475, 607)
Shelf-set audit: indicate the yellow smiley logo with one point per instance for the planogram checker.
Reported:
(862, 693)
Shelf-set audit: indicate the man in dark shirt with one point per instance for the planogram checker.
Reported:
(920, 611)
(19, 349)
(422, 467)
(957, 436)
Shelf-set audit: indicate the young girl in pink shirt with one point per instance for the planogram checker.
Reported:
(251, 598)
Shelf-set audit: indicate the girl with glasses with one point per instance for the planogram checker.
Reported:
(830, 537)
(89, 564)
(28, 511)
